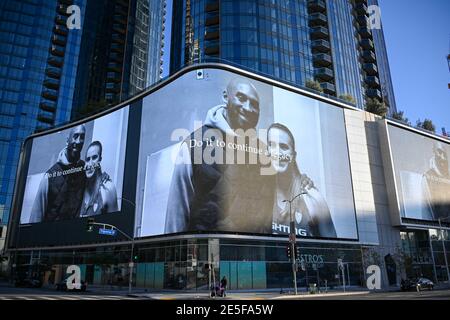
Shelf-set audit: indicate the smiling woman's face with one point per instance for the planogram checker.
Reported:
(92, 160)
(281, 149)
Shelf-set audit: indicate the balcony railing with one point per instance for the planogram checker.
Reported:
(51, 83)
(365, 32)
(48, 106)
(59, 40)
(369, 56)
(61, 30)
(373, 82)
(322, 60)
(361, 9)
(317, 6)
(320, 46)
(53, 72)
(50, 95)
(370, 68)
(325, 74)
(367, 44)
(57, 50)
(374, 93)
(328, 88)
(319, 33)
(317, 19)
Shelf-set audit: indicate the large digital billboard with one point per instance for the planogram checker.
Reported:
(208, 150)
(422, 175)
(222, 152)
(76, 172)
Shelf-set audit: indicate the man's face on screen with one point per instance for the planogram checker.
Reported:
(441, 158)
(75, 143)
(242, 106)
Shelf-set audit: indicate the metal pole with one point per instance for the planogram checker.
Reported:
(130, 278)
(343, 277)
(292, 240)
(445, 251)
(348, 274)
(293, 257)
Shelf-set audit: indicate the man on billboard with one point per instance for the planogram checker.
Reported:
(309, 210)
(436, 183)
(223, 195)
(61, 189)
(100, 194)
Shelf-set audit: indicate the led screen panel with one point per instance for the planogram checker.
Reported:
(222, 152)
(421, 170)
(77, 172)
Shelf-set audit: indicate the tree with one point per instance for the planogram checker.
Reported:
(399, 115)
(315, 85)
(377, 107)
(426, 124)
(348, 97)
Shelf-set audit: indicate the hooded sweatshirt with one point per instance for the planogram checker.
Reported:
(60, 192)
(436, 189)
(209, 196)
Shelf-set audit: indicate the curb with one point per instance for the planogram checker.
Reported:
(320, 295)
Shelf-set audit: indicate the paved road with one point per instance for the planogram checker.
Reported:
(8, 292)
(11, 293)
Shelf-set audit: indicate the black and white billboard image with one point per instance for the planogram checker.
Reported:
(76, 172)
(422, 175)
(221, 152)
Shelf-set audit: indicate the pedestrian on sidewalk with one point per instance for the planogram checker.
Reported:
(223, 286)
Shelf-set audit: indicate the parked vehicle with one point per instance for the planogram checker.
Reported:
(418, 284)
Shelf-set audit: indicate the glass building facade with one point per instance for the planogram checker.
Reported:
(182, 264)
(121, 52)
(38, 60)
(308, 43)
(387, 88)
(50, 74)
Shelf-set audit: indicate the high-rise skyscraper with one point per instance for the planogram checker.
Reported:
(303, 41)
(50, 74)
(38, 63)
(121, 52)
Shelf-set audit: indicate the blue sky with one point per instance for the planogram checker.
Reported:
(417, 36)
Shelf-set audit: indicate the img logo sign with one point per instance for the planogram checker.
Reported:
(74, 280)
(374, 280)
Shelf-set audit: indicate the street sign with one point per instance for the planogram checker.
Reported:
(107, 232)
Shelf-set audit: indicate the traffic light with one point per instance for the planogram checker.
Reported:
(288, 251)
(135, 258)
(90, 225)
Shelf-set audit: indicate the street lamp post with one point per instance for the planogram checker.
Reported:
(112, 227)
(292, 240)
(131, 238)
(443, 247)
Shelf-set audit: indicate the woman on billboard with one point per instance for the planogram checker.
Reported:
(309, 210)
(100, 194)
